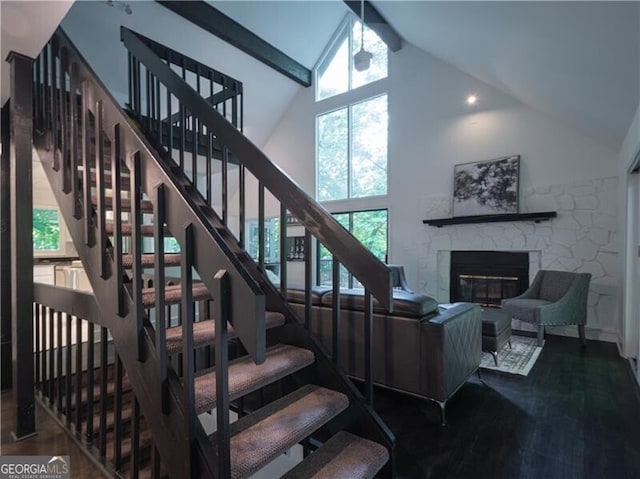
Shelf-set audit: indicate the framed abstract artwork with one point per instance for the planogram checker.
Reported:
(486, 187)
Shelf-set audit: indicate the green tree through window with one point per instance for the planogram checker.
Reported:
(352, 151)
(368, 227)
(46, 229)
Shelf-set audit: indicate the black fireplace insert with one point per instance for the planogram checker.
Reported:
(486, 277)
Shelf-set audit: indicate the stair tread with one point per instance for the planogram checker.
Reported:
(146, 206)
(260, 437)
(126, 448)
(344, 455)
(173, 294)
(245, 376)
(204, 332)
(126, 415)
(127, 229)
(148, 260)
(125, 182)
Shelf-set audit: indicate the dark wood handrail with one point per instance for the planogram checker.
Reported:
(370, 271)
(71, 301)
(190, 64)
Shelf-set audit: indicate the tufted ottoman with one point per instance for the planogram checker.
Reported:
(496, 330)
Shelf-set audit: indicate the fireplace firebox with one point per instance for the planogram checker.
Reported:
(486, 277)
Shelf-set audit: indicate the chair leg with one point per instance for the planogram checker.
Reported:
(583, 338)
(495, 357)
(540, 335)
(443, 417)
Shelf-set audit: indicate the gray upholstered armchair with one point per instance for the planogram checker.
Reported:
(555, 298)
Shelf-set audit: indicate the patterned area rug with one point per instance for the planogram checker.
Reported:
(518, 360)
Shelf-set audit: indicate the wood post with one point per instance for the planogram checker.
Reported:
(5, 253)
(21, 206)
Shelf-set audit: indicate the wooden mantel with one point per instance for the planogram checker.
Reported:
(462, 220)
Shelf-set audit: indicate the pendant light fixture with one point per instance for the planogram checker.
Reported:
(362, 59)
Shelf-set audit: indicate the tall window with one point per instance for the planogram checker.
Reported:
(352, 151)
(46, 230)
(351, 141)
(370, 228)
(351, 137)
(336, 73)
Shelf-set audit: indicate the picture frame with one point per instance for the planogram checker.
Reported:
(489, 187)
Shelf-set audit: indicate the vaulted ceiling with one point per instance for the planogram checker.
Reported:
(576, 61)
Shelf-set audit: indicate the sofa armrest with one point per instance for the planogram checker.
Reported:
(451, 349)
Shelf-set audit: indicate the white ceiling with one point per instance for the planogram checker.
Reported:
(576, 61)
(26, 27)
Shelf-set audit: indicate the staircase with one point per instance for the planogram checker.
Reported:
(215, 338)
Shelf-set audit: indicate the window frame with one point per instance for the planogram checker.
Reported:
(344, 30)
(348, 106)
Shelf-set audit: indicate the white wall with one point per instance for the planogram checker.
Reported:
(629, 224)
(94, 28)
(431, 129)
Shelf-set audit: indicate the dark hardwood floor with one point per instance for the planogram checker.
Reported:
(577, 415)
(51, 440)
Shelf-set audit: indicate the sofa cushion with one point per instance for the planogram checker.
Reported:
(411, 305)
(295, 294)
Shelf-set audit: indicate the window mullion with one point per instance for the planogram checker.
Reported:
(351, 54)
(350, 276)
(349, 152)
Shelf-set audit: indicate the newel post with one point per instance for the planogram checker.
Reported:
(5, 253)
(21, 206)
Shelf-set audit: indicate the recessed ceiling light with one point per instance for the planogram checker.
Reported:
(472, 99)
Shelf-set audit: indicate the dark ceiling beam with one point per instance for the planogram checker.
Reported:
(217, 23)
(377, 23)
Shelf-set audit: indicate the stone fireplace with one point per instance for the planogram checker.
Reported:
(486, 277)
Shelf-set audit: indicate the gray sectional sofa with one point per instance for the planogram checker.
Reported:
(420, 349)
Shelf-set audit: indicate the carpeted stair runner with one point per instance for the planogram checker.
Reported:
(149, 260)
(245, 376)
(127, 229)
(173, 294)
(344, 455)
(146, 206)
(204, 332)
(125, 182)
(260, 437)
